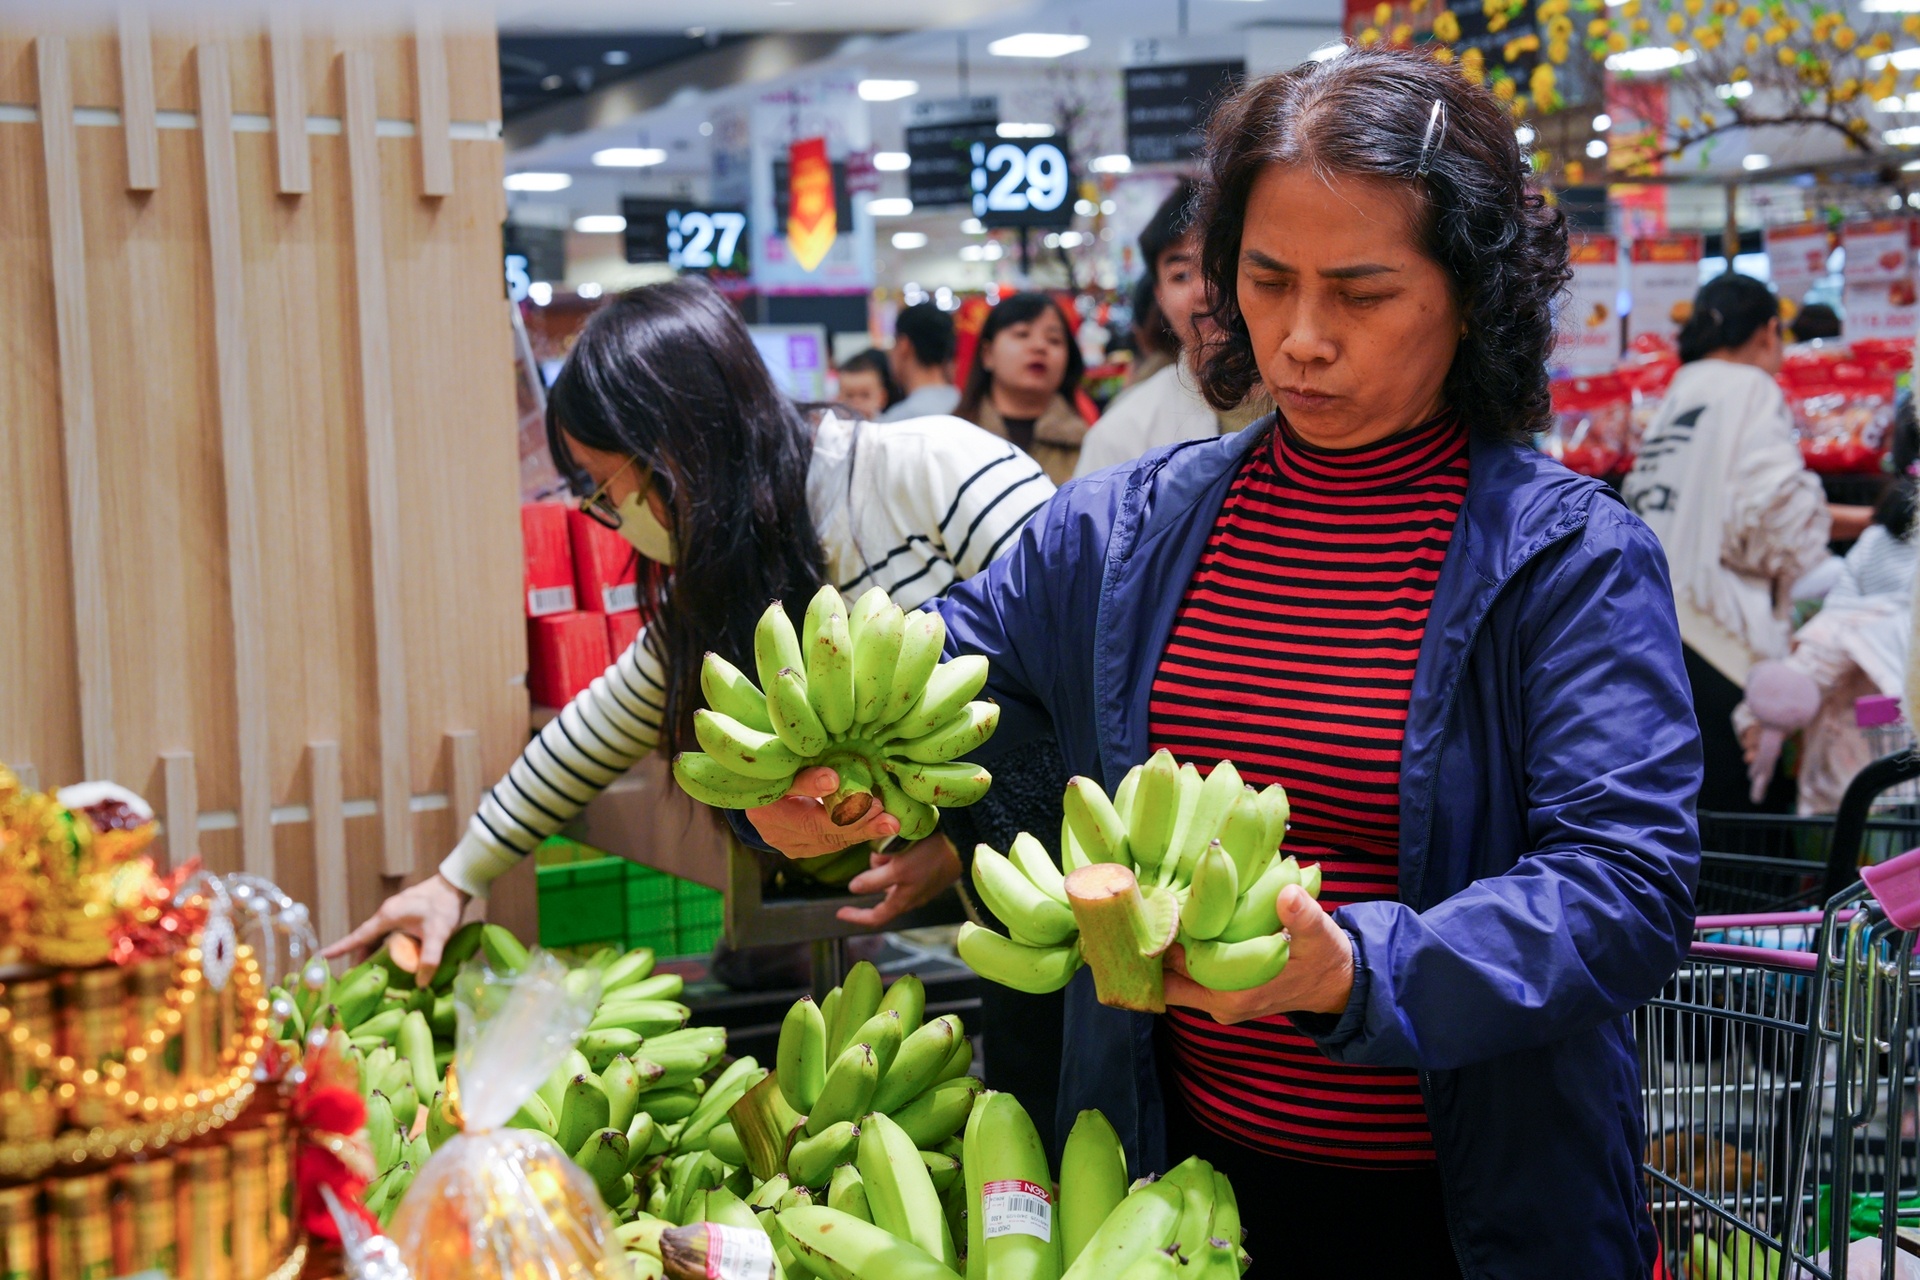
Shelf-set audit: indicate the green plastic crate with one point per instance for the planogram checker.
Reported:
(609, 901)
(699, 913)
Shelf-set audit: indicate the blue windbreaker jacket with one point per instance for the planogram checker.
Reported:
(1548, 850)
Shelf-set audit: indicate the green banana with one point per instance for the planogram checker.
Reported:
(800, 1059)
(769, 1193)
(907, 996)
(860, 996)
(1237, 966)
(775, 649)
(405, 1104)
(620, 1081)
(444, 1020)
(923, 635)
(719, 1099)
(794, 718)
(603, 1046)
(1212, 895)
(534, 1114)
(440, 1125)
(1034, 918)
(917, 819)
(1255, 915)
(848, 1090)
(359, 996)
(1155, 806)
(857, 1249)
(1187, 801)
(416, 1045)
(383, 1024)
(811, 1160)
(942, 1168)
(661, 986)
(830, 670)
(1244, 835)
(1194, 1177)
(939, 1113)
(900, 1190)
(641, 1131)
(635, 966)
(950, 688)
(1072, 855)
(383, 1133)
(946, 786)
(1093, 1181)
(712, 783)
(1143, 1223)
(725, 1143)
(1273, 804)
(460, 947)
(848, 1193)
(1213, 801)
(954, 739)
(1037, 865)
(1002, 1147)
(1035, 970)
(584, 1110)
(648, 1018)
(504, 952)
(917, 1064)
(881, 1033)
(1310, 879)
(749, 752)
(874, 603)
(728, 691)
(711, 1041)
(876, 651)
(604, 1156)
(1226, 1218)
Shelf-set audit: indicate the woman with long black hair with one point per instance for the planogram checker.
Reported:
(673, 433)
(1026, 372)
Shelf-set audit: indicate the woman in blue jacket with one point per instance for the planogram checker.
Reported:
(1460, 659)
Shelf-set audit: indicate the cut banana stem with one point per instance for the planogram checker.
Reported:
(1113, 921)
(853, 798)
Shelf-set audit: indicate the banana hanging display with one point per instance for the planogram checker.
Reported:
(863, 692)
(1172, 857)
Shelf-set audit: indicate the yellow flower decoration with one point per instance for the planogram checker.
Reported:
(1403, 34)
(1598, 28)
(1707, 37)
(1446, 26)
(1371, 36)
(1676, 23)
(1684, 124)
(1641, 26)
(1382, 14)
(1540, 159)
(1911, 24)
(1617, 43)
(1524, 44)
(1882, 42)
(1473, 66)
(1418, 6)
(1753, 45)
(1844, 38)
(1695, 6)
(1560, 28)
(1707, 119)
(1888, 84)
(1442, 54)
(1749, 17)
(1503, 89)
(1542, 83)
(1519, 107)
(1557, 52)
(1787, 57)
(1776, 35)
(1739, 74)
(1856, 126)
(1847, 90)
(1496, 24)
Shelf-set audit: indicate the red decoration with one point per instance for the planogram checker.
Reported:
(332, 1120)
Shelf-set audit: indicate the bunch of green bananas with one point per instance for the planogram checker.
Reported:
(1190, 1218)
(1742, 1258)
(1204, 853)
(863, 692)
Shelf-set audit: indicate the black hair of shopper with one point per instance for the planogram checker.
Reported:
(1897, 508)
(667, 374)
(929, 331)
(1168, 226)
(1148, 319)
(1020, 308)
(1816, 321)
(1727, 311)
(875, 362)
(1369, 114)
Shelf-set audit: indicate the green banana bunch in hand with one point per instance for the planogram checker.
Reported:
(860, 691)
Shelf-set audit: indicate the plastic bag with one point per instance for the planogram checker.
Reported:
(1591, 421)
(497, 1202)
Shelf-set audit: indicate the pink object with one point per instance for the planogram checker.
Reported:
(1895, 885)
(1875, 710)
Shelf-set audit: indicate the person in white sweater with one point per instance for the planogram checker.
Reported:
(671, 429)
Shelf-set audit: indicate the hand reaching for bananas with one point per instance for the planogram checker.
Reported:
(1318, 977)
(798, 825)
(911, 878)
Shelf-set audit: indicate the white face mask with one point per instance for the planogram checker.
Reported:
(648, 536)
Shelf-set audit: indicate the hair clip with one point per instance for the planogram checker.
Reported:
(1436, 132)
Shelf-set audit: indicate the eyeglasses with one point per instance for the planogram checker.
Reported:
(599, 506)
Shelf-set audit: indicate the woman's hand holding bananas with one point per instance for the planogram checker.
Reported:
(1317, 977)
(855, 708)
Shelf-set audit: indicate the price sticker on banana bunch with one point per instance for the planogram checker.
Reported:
(738, 1253)
(1013, 1207)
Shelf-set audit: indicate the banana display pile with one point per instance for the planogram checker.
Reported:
(1172, 857)
(862, 692)
(633, 1089)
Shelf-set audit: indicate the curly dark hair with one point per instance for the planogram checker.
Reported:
(1366, 113)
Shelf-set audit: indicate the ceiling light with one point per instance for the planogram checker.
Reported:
(888, 90)
(616, 57)
(1071, 239)
(1651, 58)
(1602, 122)
(890, 207)
(1908, 137)
(600, 224)
(909, 239)
(1014, 129)
(629, 157)
(1109, 208)
(1596, 149)
(1328, 52)
(591, 289)
(1525, 135)
(1116, 163)
(974, 227)
(1890, 6)
(1756, 161)
(1085, 208)
(973, 253)
(706, 128)
(540, 293)
(539, 181)
(1053, 240)
(891, 161)
(1037, 44)
(1911, 166)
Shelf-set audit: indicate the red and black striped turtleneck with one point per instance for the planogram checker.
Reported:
(1293, 656)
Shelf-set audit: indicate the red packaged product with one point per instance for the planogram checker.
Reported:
(622, 630)
(549, 558)
(1591, 423)
(1843, 416)
(1647, 381)
(565, 653)
(604, 564)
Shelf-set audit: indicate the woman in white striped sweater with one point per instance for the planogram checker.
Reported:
(672, 429)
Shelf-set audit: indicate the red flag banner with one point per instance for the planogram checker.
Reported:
(812, 225)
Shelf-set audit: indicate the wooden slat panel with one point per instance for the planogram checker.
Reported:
(67, 241)
(332, 915)
(182, 811)
(237, 456)
(28, 774)
(383, 486)
(464, 781)
(136, 101)
(290, 101)
(431, 117)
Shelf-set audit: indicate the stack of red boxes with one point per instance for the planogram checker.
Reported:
(582, 605)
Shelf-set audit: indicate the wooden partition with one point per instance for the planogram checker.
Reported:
(259, 536)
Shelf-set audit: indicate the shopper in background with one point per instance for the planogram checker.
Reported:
(1460, 659)
(1155, 345)
(1026, 373)
(1168, 406)
(922, 358)
(1816, 321)
(867, 386)
(671, 431)
(1721, 482)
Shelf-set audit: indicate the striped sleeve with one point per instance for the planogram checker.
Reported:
(978, 492)
(597, 737)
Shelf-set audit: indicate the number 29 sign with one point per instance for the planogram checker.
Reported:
(1022, 184)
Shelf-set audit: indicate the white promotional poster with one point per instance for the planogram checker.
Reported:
(1796, 258)
(1589, 325)
(1663, 274)
(829, 108)
(1879, 292)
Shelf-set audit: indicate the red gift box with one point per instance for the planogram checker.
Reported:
(603, 566)
(565, 653)
(549, 558)
(622, 630)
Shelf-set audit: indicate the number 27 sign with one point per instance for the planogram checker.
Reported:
(1022, 184)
